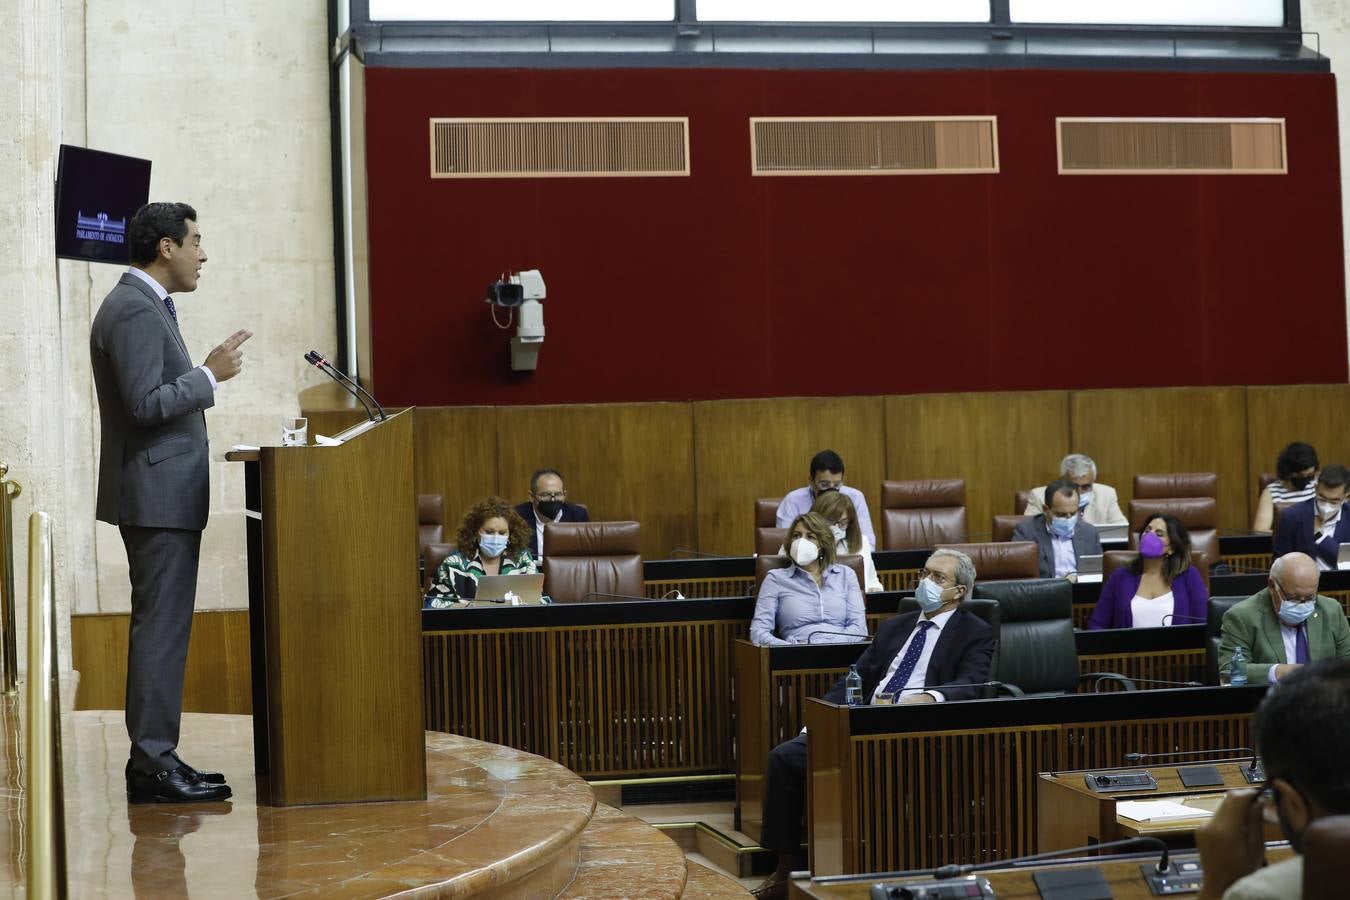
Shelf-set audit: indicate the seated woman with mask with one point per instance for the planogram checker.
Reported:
(492, 540)
(1296, 470)
(815, 600)
(1160, 587)
(841, 515)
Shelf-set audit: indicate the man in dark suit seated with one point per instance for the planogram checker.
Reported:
(548, 503)
(1061, 534)
(920, 657)
(1318, 526)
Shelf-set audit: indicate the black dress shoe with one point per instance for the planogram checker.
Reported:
(176, 786)
(208, 777)
(775, 887)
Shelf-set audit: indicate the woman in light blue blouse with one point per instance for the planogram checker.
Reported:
(815, 600)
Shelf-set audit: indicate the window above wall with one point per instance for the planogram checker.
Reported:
(1225, 35)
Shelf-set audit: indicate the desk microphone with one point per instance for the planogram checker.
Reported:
(1130, 680)
(1183, 616)
(1162, 867)
(679, 552)
(1253, 771)
(618, 596)
(316, 359)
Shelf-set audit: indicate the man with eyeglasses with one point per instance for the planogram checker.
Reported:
(941, 652)
(1318, 526)
(1285, 625)
(548, 503)
(1302, 731)
(827, 474)
(1060, 534)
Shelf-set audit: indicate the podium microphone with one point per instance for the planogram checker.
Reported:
(1252, 770)
(316, 359)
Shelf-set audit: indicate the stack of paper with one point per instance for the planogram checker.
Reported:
(1159, 810)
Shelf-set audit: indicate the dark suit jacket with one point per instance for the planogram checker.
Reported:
(963, 654)
(570, 513)
(153, 469)
(1085, 541)
(1296, 530)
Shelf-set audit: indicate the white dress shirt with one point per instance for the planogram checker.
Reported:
(1290, 638)
(161, 294)
(539, 529)
(918, 679)
(1149, 613)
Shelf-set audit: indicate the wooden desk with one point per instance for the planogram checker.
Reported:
(1122, 876)
(1070, 814)
(908, 787)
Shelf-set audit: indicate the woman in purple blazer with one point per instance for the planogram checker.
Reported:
(1160, 587)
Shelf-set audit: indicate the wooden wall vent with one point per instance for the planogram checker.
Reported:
(1097, 146)
(559, 148)
(874, 145)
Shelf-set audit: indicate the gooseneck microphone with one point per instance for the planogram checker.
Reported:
(1183, 617)
(318, 362)
(615, 596)
(1132, 680)
(316, 359)
(1139, 757)
(1162, 867)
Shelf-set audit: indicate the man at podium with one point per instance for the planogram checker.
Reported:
(153, 482)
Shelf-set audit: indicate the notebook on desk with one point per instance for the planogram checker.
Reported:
(1113, 534)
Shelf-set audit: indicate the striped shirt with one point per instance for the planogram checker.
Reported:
(1284, 495)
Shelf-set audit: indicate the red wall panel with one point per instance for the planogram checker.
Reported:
(724, 285)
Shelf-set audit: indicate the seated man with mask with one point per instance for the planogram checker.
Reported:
(929, 656)
(547, 503)
(1318, 526)
(827, 474)
(1060, 533)
(1302, 731)
(1097, 502)
(1284, 625)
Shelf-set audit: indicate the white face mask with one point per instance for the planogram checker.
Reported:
(838, 532)
(805, 551)
(1328, 511)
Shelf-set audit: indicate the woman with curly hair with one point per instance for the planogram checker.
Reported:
(492, 540)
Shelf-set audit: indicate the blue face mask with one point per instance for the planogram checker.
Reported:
(491, 545)
(1062, 526)
(1084, 499)
(929, 596)
(1295, 614)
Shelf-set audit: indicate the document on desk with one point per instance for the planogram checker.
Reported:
(1159, 810)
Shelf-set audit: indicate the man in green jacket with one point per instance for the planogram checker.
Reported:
(1285, 625)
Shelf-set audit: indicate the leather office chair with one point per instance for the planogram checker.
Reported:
(432, 557)
(1176, 484)
(1213, 625)
(1004, 526)
(768, 540)
(430, 519)
(1020, 501)
(1326, 845)
(1037, 653)
(1002, 560)
(1200, 516)
(764, 564)
(921, 514)
(585, 557)
(1265, 479)
(1118, 559)
(766, 511)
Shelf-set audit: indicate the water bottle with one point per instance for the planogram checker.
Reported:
(1237, 668)
(853, 686)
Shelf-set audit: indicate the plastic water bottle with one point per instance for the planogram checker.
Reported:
(1237, 668)
(853, 686)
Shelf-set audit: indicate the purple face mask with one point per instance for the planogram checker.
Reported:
(1150, 545)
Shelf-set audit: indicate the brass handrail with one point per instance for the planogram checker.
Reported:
(9, 489)
(46, 829)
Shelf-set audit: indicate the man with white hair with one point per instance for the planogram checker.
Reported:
(1286, 624)
(941, 652)
(1097, 503)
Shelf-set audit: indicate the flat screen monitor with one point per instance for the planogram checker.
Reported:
(97, 193)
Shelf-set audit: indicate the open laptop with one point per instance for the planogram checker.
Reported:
(1089, 569)
(1113, 534)
(494, 588)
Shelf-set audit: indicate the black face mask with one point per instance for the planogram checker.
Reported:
(549, 509)
(1300, 482)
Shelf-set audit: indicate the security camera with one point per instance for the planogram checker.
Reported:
(521, 290)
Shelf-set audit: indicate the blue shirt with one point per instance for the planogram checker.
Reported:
(791, 608)
(800, 501)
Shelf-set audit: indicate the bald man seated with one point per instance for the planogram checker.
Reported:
(1285, 625)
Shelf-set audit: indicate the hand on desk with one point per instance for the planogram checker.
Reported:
(917, 698)
(1284, 669)
(1232, 843)
(1072, 578)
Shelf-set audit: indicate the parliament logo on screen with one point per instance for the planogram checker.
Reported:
(100, 228)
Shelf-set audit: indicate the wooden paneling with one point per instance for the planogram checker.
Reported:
(1130, 432)
(745, 449)
(623, 460)
(1277, 416)
(455, 455)
(217, 678)
(998, 443)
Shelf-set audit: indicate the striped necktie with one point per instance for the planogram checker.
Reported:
(173, 313)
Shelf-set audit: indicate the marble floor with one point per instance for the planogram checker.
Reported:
(496, 821)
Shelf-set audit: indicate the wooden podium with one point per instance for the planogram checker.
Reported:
(334, 619)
